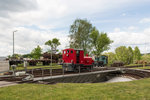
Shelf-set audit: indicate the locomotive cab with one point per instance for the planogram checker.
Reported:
(74, 59)
(68, 56)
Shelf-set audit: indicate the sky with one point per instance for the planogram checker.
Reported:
(127, 22)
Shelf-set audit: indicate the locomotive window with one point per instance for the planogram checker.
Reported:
(71, 51)
(67, 51)
(64, 52)
(77, 52)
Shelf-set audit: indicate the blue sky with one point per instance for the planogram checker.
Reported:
(127, 22)
(125, 16)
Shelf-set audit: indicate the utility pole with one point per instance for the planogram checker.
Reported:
(51, 56)
(52, 51)
(14, 43)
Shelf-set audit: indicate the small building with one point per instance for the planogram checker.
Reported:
(4, 64)
(2, 58)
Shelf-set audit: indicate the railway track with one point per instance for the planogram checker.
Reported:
(54, 72)
(49, 72)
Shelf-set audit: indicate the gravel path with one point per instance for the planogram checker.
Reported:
(5, 83)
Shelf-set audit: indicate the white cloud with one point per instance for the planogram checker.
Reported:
(117, 29)
(145, 20)
(128, 38)
(39, 20)
(27, 39)
(132, 28)
(123, 14)
(147, 30)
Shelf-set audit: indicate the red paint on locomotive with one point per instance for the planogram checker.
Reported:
(72, 59)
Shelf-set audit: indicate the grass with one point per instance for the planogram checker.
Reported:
(45, 67)
(146, 67)
(134, 65)
(54, 66)
(134, 90)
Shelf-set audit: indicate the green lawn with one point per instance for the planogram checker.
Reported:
(54, 66)
(134, 65)
(147, 67)
(135, 90)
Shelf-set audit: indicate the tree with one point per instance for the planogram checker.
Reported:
(100, 42)
(15, 56)
(80, 34)
(146, 57)
(54, 43)
(93, 39)
(122, 54)
(130, 60)
(27, 56)
(49, 43)
(137, 54)
(36, 52)
(111, 57)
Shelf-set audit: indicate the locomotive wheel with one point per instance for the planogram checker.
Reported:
(90, 68)
(76, 69)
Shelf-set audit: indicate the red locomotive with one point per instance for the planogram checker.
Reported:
(73, 60)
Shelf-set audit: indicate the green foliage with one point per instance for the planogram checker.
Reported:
(122, 54)
(27, 56)
(130, 51)
(94, 36)
(84, 36)
(127, 55)
(16, 56)
(137, 54)
(80, 35)
(147, 67)
(36, 52)
(54, 66)
(49, 43)
(111, 57)
(132, 65)
(54, 43)
(146, 57)
(9, 56)
(100, 42)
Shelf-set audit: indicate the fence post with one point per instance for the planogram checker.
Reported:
(25, 66)
(91, 68)
(79, 69)
(51, 72)
(32, 71)
(63, 71)
(42, 73)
